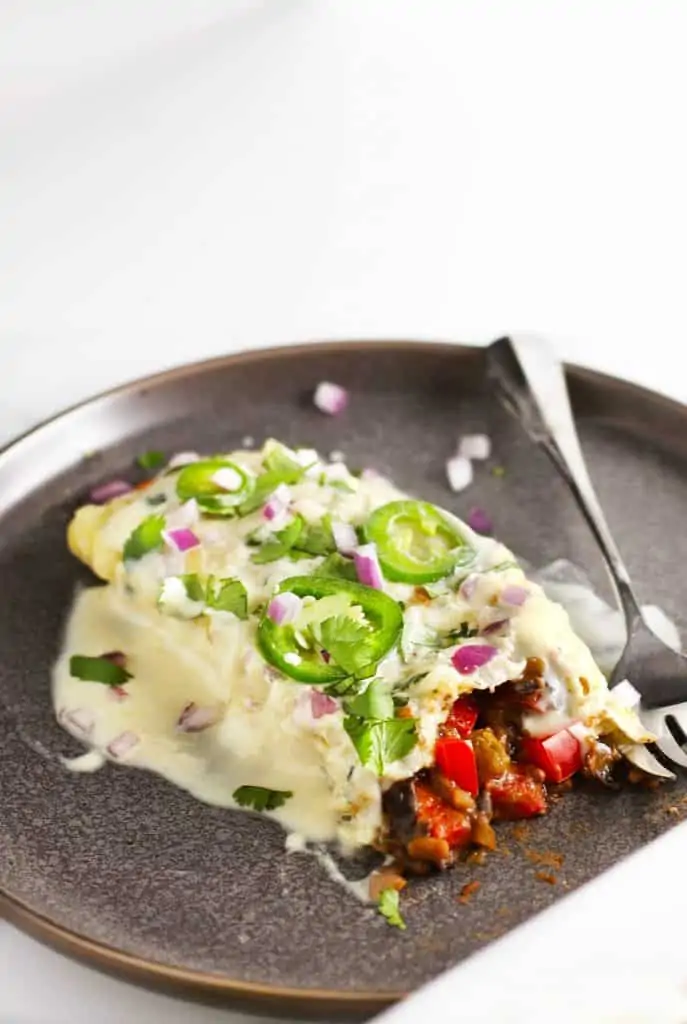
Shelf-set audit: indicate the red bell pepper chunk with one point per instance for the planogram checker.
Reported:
(456, 760)
(462, 718)
(440, 820)
(516, 795)
(559, 756)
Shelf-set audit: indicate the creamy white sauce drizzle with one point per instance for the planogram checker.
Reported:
(264, 735)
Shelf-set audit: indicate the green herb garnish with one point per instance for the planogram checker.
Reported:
(280, 544)
(350, 644)
(156, 499)
(338, 567)
(389, 908)
(379, 744)
(98, 670)
(375, 702)
(261, 799)
(317, 538)
(151, 460)
(228, 595)
(145, 538)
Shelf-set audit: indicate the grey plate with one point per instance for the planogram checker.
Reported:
(122, 868)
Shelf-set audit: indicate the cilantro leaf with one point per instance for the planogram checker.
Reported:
(280, 544)
(156, 499)
(464, 632)
(98, 670)
(151, 460)
(261, 799)
(145, 538)
(350, 645)
(337, 566)
(388, 908)
(195, 591)
(317, 538)
(228, 595)
(375, 702)
(381, 743)
(281, 463)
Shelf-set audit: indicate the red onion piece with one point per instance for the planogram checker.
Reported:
(459, 473)
(194, 718)
(480, 521)
(330, 398)
(181, 540)
(322, 704)
(227, 479)
(284, 608)
(277, 503)
(345, 538)
(122, 744)
(367, 566)
(514, 595)
(468, 587)
(117, 693)
(475, 446)
(116, 657)
(495, 627)
(81, 720)
(183, 459)
(112, 489)
(469, 657)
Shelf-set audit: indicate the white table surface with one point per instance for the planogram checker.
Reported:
(179, 180)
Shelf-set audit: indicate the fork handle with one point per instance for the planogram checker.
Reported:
(531, 383)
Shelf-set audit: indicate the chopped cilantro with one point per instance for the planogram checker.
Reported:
(375, 702)
(337, 566)
(145, 538)
(381, 743)
(464, 632)
(156, 499)
(317, 538)
(98, 670)
(227, 595)
(280, 462)
(388, 908)
(261, 799)
(193, 585)
(279, 544)
(350, 644)
(151, 460)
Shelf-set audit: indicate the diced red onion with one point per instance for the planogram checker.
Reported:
(116, 657)
(183, 459)
(81, 720)
(194, 718)
(514, 595)
(330, 398)
(182, 540)
(345, 537)
(468, 586)
(469, 657)
(475, 446)
(227, 479)
(480, 521)
(459, 472)
(367, 566)
(284, 608)
(112, 489)
(277, 503)
(122, 744)
(117, 693)
(494, 627)
(322, 704)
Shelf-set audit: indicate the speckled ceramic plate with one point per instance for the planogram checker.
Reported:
(124, 870)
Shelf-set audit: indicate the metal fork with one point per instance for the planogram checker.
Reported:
(531, 384)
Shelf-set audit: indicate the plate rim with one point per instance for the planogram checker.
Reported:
(189, 981)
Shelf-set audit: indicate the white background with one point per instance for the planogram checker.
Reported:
(182, 179)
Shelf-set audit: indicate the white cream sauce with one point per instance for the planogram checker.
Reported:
(265, 734)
